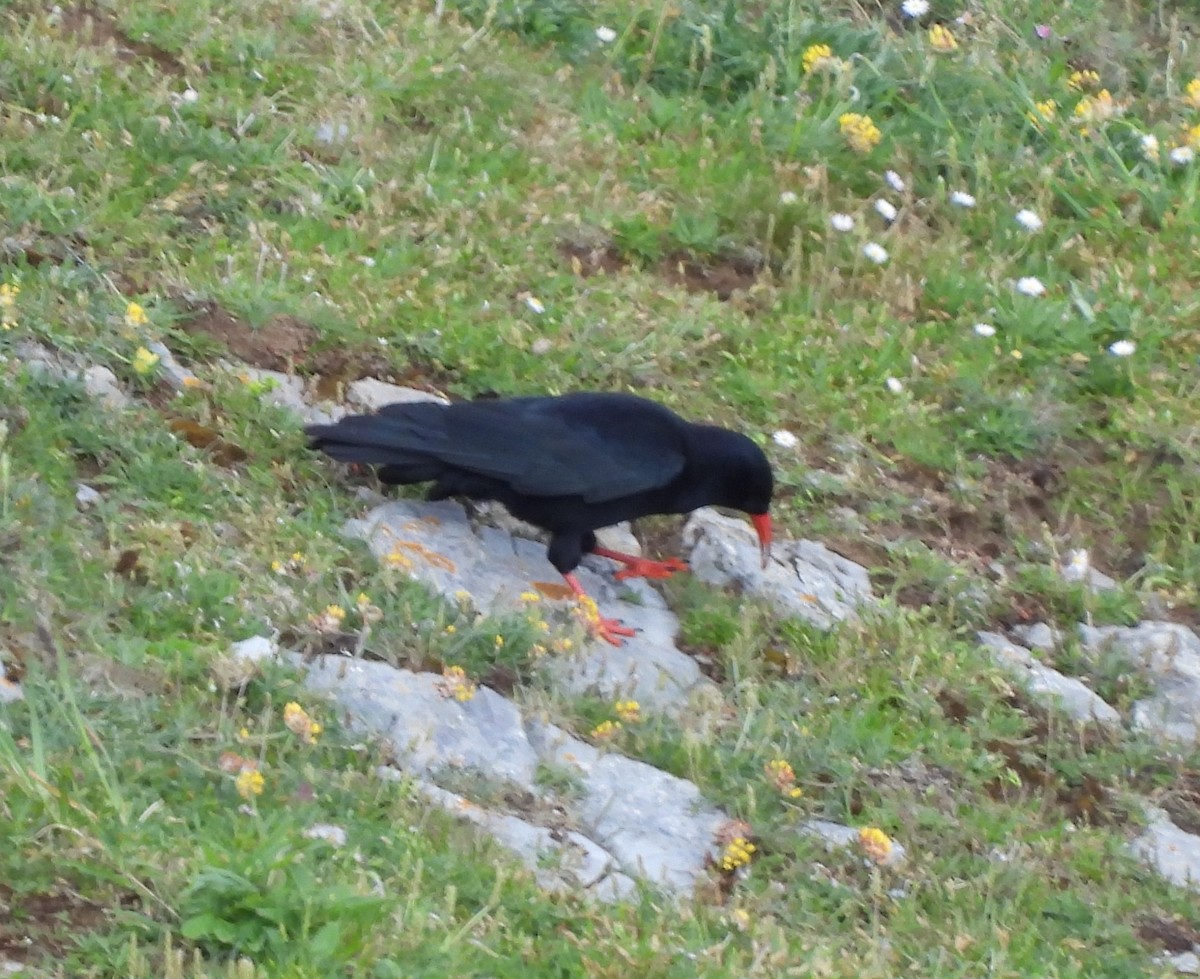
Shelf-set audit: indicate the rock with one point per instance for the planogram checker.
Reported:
(1049, 686)
(1078, 568)
(437, 544)
(1185, 963)
(368, 394)
(1168, 655)
(101, 384)
(10, 692)
(657, 826)
(86, 497)
(429, 731)
(289, 392)
(335, 836)
(1038, 636)
(256, 649)
(804, 579)
(838, 837)
(173, 372)
(1172, 852)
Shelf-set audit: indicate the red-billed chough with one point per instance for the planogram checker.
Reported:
(568, 464)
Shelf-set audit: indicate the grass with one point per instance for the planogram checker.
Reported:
(415, 181)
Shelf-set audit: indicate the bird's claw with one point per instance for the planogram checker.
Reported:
(643, 568)
(611, 631)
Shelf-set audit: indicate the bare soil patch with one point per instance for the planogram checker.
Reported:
(96, 28)
(719, 275)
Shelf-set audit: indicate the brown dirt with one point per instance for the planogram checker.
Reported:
(1169, 934)
(720, 275)
(96, 28)
(44, 926)
(278, 345)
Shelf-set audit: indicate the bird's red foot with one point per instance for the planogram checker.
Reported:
(610, 630)
(642, 568)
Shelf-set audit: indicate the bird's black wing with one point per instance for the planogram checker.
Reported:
(595, 446)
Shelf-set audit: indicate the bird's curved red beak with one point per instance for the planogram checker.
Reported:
(762, 524)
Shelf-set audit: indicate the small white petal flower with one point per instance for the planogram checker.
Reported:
(895, 385)
(533, 303)
(605, 35)
(1122, 348)
(886, 210)
(190, 95)
(894, 181)
(1150, 146)
(1029, 286)
(1181, 156)
(367, 260)
(1029, 220)
(962, 199)
(875, 252)
(788, 198)
(915, 8)
(984, 329)
(841, 222)
(784, 439)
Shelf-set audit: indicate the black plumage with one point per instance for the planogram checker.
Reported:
(568, 464)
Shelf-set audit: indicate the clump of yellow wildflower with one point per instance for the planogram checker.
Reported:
(1192, 137)
(1079, 81)
(606, 730)
(8, 304)
(860, 133)
(818, 58)
(144, 361)
(738, 852)
(295, 562)
(941, 39)
(297, 720)
(135, 316)
(1191, 94)
(398, 559)
(1044, 111)
(629, 711)
(367, 612)
(454, 683)
(249, 783)
(875, 842)
(530, 596)
(1096, 108)
(328, 621)
(783, 777)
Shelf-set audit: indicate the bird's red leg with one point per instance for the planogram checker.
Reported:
(610, 630)
(640, 567)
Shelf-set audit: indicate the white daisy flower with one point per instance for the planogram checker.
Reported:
(984, 329)
(1181, 156)
(875, 252)
(841, 222)
(190, 95)
(1029, 220)
(784, 439)
(894, 181)
(895, 385)
(788, 198)
(1150, 146)
(605, 35)
(915, 8)
(1028, 285)
(886, 210)
(533, 303)
(1122, 348)
(961, 198)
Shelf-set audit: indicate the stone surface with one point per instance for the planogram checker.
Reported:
(1049, 686)
(86, 497)
(837, 837)
(1168, 655)
(368, 394)
(1172, 852)
(438, 544)
(102, 384)
(803, 579)
(289, 392)
(171, 370)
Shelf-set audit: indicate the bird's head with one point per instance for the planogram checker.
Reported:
(743, 481)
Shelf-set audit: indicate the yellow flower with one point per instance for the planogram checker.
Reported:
(499, 642)
(740, 918)
(296, 719)
(1191, 94)
(940, 38)
(1096, 108)
(530, 596)
(135, 316)
(330, 620)
(454, 683)
(606, 730)
(783, 777)
(875, 843)
(1080, 80)
(249, 783)
(860, 133)
(144, 361)
(738, 852)
(8, 305)
(1192, 137)
(630, 711)
(1043, 111)
(818, 57)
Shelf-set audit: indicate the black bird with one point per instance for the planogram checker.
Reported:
(567, 464)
